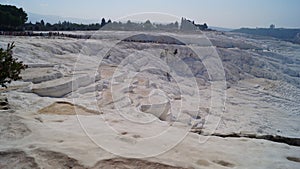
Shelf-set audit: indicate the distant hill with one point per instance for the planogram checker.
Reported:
(291, 35)
(220, 28)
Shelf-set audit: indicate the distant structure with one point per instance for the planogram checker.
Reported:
(189, 25)
(272, 26)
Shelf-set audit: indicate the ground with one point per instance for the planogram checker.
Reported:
(107, 102)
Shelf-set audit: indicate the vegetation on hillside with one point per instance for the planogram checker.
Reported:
(291, 35)
(12, 18)
(10, 67)
(105, 25)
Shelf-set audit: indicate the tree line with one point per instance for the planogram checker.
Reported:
(105, 25)
(14, 19)
(64, 26)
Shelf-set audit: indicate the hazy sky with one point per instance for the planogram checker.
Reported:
(225, 13)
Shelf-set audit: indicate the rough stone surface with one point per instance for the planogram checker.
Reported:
(103, 102)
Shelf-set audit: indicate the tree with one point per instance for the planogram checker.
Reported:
(10, 68)
(205, 26)
(11, 18)
(42, 22)
(148, 25)
(176, 25)
(103, 22)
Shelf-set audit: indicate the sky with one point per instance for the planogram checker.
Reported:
(222, 13)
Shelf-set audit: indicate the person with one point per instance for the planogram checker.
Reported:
(168, 76)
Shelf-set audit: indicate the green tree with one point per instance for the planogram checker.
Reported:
(10, 67)
(148, 25)
(176, 25)
(42, 22)
(11, 18)
(103, 22)
(205, 26)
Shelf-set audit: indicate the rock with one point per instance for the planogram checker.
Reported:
(132, 163)
(39, 75)
(145, 38)
(160, 110)
(51, 131)
(61, 87)
(17, 159)
(3, 103)
(66, 108)
(12, 128)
